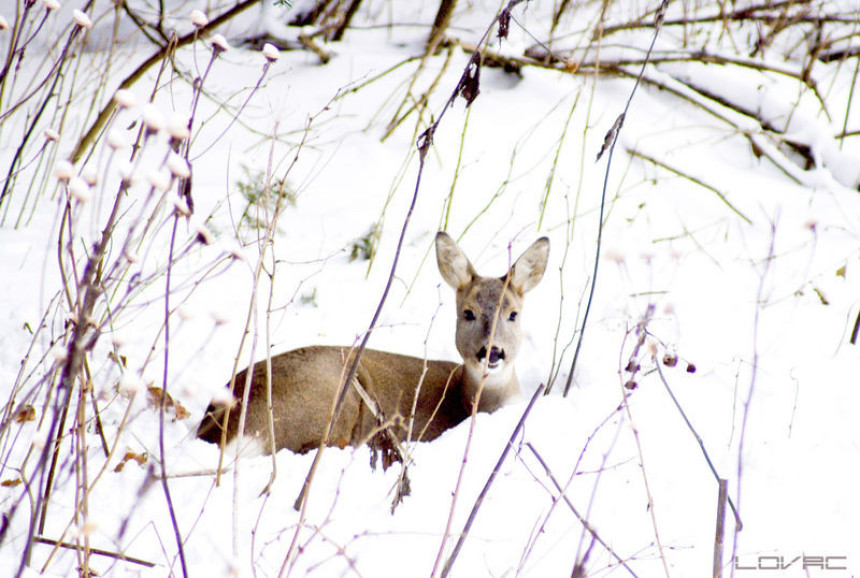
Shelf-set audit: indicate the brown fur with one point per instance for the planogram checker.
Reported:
(305, 381)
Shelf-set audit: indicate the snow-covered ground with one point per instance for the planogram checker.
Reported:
(748, 260)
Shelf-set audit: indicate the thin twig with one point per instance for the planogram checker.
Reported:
(109, 108)
(722, 498)
(753, 373)
(695, 180)
(462, 471)
(609, 144)
(641, 331)
(698, 438)
(97, 551)
(423, 145)
(162, 406)
(573, 509)
(480, 500)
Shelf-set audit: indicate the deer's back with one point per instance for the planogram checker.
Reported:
(305, 382)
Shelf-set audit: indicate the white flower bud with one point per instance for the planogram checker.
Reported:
(4, 24)
(186, 312)
(117, 139)
(178, 166)
(90, 176)
(64, 170)
(126, 171)
(51, 4)
(220, 317)
(153, 118)
(51, 135)
(130, 383)
(81, 19)
(271, 52)
(80, 190)
(125, 98)
(181, 207)
(88, 529)
(219, 43)
(204, 235)
(58, 352)
(40, 440)
(236, 252)
(159, 180)
(177, 126)
(198, 18)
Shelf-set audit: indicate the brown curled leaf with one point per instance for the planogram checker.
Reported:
(469, 87)
(504, 23)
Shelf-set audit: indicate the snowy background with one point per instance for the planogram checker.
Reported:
(731, 225)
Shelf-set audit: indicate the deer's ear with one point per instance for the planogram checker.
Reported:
(527, 272)
(455, 268)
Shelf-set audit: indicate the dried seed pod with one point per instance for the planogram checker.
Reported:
(631, 385)
(670, 360)
(691, 368)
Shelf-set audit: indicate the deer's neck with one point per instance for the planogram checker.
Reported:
(495, 391)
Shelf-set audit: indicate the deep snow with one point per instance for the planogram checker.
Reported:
(768, 303)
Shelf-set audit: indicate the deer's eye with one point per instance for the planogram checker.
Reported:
(468, 315)
(512, 316)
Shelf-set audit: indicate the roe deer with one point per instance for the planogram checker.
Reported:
(305, 381)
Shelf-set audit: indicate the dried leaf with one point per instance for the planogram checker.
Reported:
(155, 400)
(25, 413)
(129, 457)
(504, 23)
(185, 191)
(122, 360)
(180, 412)
(611, 135)
(155, 394)
(425, 141)
(469, 87)
(11, 483)
(661, 14)
(841, 271)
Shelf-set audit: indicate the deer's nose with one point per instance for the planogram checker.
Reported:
(496, 354)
